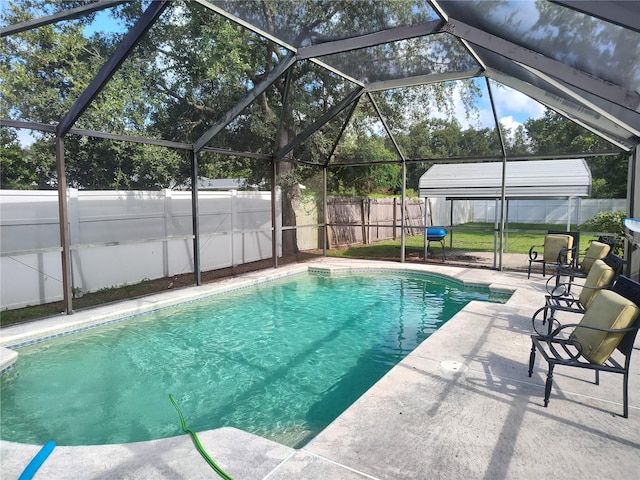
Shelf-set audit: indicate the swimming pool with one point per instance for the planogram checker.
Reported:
(281, 360)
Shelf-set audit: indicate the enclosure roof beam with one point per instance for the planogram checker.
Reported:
(530, 156)
(70, 14)
(235, 153)
(497, 158)
(370, 40)
(386, 127)
(311, 129)
(445, 16)
(272, 38)
(623, 13)
(427, 79)
(128, 43)
(45, 127)
(255, 92)
(581, 99)
(608, 129)
(354, 105)
(572, 76)
(245, 24)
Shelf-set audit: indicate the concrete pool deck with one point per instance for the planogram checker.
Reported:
(460, 406)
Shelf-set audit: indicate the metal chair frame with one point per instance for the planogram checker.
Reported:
(558, 350)
(562, 255)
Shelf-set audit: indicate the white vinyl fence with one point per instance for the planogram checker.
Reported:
(124, 237)
(548, 211)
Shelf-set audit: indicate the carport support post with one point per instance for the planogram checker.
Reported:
(63, 216)
(195, 219)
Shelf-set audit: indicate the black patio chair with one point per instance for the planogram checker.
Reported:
(559, 248)
(614, 261)
(612, 240)
(581, 266)
(560, 298)
(610, 325)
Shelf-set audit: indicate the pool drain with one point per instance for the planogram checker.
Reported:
(453, 366)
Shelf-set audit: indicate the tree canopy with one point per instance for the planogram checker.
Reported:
(193, 66)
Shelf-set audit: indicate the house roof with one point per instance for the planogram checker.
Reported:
(530, 179)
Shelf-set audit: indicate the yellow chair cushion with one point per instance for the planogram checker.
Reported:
(600, 276)
(608, 310)
(553, 243)
(595, 251)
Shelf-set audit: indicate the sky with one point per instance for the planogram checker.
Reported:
(512, 107)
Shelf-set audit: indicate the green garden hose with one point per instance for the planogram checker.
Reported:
(197, 443)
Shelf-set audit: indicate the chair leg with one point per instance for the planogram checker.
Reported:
(548, 384)
(597, 377)
(544, 269)
(532, 358)
(625, 395)
(529, 270)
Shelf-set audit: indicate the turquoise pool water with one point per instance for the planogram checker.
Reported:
(280, 360)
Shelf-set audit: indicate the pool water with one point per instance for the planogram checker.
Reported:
(280, 360)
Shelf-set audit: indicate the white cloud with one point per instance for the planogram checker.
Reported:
(512, 102)
(512, 107)
(510, 122)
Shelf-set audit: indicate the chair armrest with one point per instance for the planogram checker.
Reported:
(556, 331)
(567, 301)
(563, 289)
(533, 254)
(557, 289)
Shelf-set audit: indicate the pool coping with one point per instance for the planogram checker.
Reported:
(346, 448)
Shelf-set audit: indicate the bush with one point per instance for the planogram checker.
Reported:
(607, 222)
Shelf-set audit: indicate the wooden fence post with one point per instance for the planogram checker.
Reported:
(395, 216)
(363, 221)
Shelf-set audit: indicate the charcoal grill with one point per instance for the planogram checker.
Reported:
(436, 234)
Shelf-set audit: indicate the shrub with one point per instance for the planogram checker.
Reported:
(607, 222)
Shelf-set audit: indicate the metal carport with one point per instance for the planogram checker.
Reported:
(502, 181)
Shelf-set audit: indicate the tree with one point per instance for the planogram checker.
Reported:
(191, 68)
(554, 133)
(46, 69)
(16, 172)
(369, 179)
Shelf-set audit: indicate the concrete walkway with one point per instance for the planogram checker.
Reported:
(460, 406)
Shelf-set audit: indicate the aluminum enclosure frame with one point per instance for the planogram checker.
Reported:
(586, 91)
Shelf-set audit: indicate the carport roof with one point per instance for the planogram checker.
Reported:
(530, 179)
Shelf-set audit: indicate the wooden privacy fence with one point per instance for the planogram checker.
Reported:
(357, 220)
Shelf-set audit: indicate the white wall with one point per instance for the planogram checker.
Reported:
(124, 237)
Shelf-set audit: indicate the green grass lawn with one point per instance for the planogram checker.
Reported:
(470, 237)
